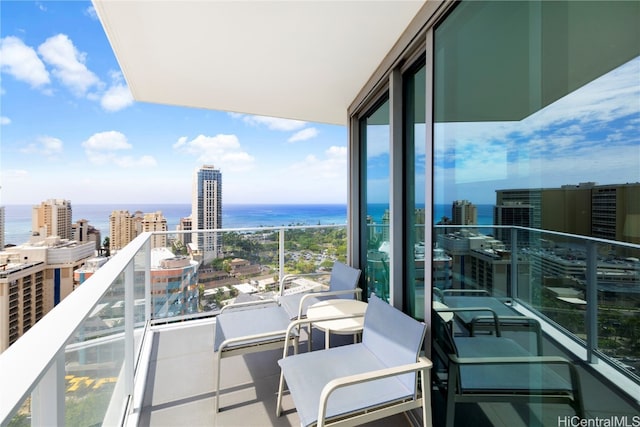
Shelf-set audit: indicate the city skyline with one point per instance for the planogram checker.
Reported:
(68, 120)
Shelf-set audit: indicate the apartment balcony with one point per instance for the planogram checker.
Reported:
(133, 344)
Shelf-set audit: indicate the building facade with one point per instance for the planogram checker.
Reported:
(52, 218)
(121, 229)
(124, 227)
(609, 211)
(206, 210)
(155, 222)
(82, 231)
(34, 278)
(463, 212)
(185, 224)
(22, 299)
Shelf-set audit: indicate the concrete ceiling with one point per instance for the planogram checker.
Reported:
(304, 60)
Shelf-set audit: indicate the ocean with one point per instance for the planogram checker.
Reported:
(18, 217)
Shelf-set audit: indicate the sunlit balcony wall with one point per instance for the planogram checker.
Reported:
(84, 355)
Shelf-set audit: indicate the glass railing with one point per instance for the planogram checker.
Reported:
(77, 365)
(586, 288)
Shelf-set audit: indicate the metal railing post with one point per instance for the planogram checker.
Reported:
(48, 398)
(129, 302)
(147, 282)
(281, 255)
(592, 301)
(513, 289)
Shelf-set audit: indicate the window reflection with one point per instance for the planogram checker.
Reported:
(537, 124)
(375, 201)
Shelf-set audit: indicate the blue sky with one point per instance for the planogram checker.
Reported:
(589, 135)
(70, 128)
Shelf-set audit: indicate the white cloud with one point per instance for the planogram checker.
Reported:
(180, 142)
(590, 134)
(118, 96)
(91, 13)
(102, 148)
(304, 134)
(22, 62)
(332, 166)
(68, 64)
(271, 123)
(222, 150)
(5, 120)
(107, 141)
(47, 146)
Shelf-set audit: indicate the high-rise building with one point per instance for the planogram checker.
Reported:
(604, 211)
(82, 232)
(52, 218)
(121, 229)
(155, 222)
(615, 212)
(21, 298)
(206, 210)
(34, 279)
(185, 224)
(124, 227)
(464, 212)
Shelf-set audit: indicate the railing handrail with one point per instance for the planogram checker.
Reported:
(47, 338)
(243, 229)
(541, 230)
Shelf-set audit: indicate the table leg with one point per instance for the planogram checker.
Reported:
(327, 334)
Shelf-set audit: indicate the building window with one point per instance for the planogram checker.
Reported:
(414, 148)
(536, 109)
(374, 199)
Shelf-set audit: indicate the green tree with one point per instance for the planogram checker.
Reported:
(106, 246)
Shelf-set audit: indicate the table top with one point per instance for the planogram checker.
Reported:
(338, 307)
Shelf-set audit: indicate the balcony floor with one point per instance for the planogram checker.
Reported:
(180, 383)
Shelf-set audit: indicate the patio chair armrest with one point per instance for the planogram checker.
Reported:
(305, 297)
(512, 323)
(465, 291)
(421, 365)
(467, 309)
(288, 276)
(240, 305)
(247, 338)
(294, 326)
(538, 360)
(528, 360)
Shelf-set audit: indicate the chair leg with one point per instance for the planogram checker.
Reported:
(452, 383)
(216, 404)
(279, 401)
(425, 378)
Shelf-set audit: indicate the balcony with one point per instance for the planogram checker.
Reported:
(118, 351)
